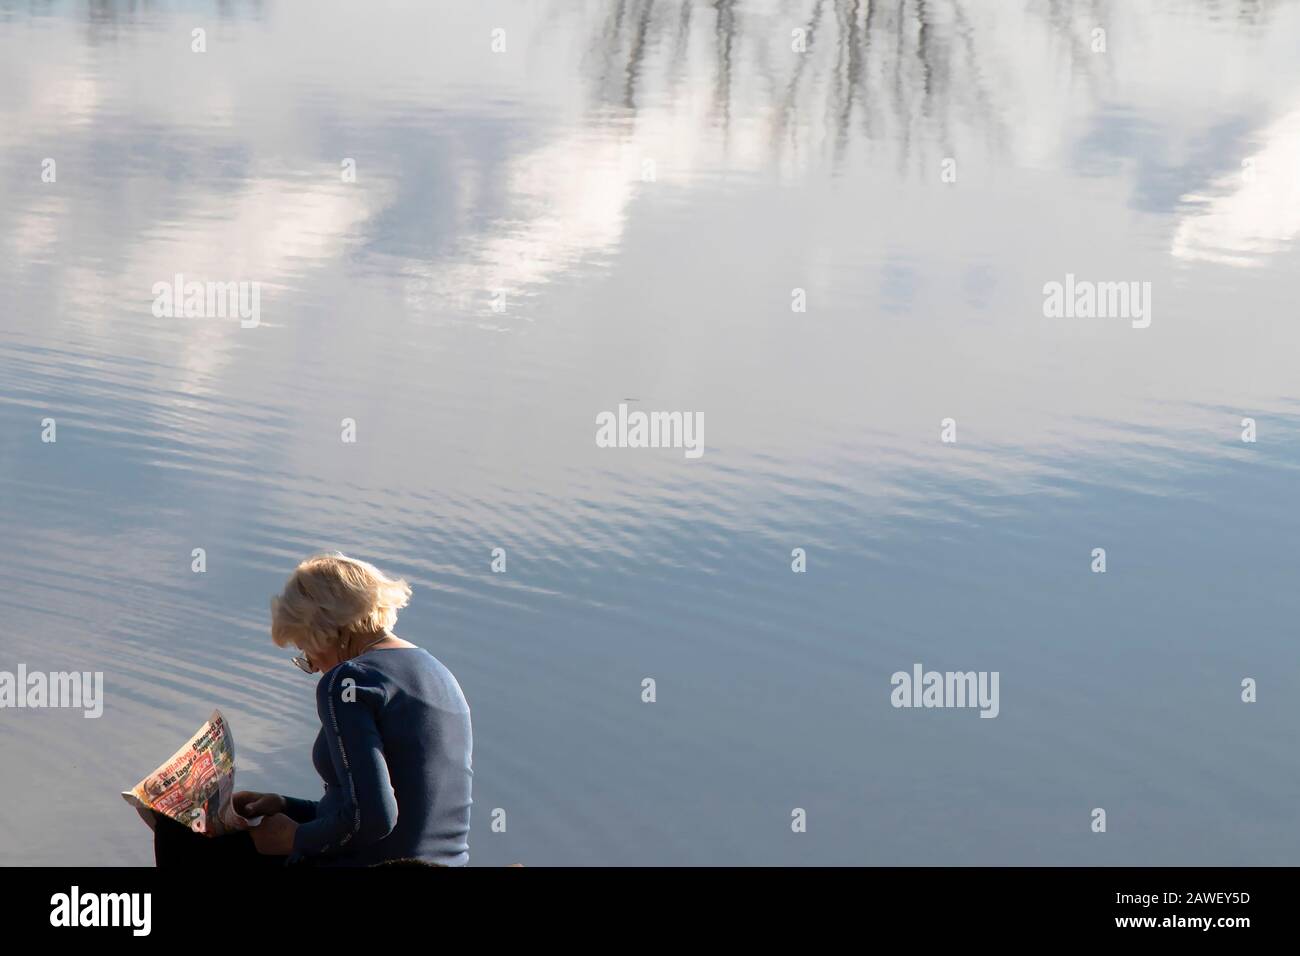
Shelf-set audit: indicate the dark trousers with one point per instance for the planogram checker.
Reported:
(177, 846)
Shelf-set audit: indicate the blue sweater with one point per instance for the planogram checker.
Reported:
(394, 753)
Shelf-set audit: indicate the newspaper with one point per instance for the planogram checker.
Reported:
(195, 785)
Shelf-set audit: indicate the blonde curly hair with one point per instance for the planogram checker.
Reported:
(331, 597)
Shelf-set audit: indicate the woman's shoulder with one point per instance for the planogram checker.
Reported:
(430, 678)
(350, 673)
(409, 669)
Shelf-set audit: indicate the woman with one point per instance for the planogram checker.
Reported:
(394, 749)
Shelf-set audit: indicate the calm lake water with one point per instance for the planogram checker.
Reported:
(621, 205)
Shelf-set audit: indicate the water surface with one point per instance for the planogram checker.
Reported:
(644, 185)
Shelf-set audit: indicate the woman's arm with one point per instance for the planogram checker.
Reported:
(299, 810)
(251, 803)
(366, 809)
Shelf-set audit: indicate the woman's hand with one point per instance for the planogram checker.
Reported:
(274, 835)
(249, 803)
